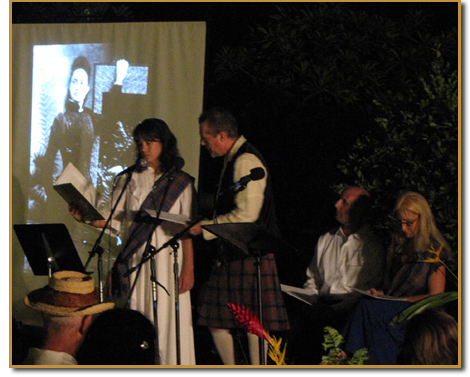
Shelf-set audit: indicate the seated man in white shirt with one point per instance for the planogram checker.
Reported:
(345, 258)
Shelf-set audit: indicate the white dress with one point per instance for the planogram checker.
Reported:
(142, 300)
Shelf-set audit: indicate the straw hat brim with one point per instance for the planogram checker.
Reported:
(68, 312)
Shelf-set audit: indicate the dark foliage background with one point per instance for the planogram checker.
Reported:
(333, 94)
(311, 85)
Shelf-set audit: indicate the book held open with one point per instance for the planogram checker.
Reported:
(77, 191)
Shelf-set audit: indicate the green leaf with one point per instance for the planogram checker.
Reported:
(427, 303)
(333, 338)
(336, 356)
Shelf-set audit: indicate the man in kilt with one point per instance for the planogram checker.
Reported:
(234, 278)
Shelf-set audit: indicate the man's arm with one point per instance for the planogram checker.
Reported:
(313, 276)
(248, 203)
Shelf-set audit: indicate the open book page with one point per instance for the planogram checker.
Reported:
(299, 293)
(71, 175)
(384, 297)
(75, 189)
(172, 217)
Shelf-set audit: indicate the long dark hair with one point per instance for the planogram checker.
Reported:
(154, 129)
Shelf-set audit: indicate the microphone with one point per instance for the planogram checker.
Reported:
(256, 175)
(177, 165)
(142, 163)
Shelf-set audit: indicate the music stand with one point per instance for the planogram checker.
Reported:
(255, 242)
(48, 248)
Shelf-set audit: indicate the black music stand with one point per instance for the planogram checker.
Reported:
(48, 248)
(255, 242)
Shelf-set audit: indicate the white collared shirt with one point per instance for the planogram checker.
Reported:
(341, 263)
(38, 356)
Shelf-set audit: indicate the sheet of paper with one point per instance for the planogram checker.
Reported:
(384, 297)
(172, 217)
(299, 293)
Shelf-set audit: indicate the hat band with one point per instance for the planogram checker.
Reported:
(63, 299)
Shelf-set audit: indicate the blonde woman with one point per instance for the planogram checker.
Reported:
(406, 275)
(410, 276)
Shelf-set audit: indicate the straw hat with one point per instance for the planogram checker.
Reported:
(68, 294)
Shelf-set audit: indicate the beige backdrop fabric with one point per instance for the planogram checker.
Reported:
(174, 53)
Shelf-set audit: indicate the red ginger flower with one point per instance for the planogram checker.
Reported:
(249, 321)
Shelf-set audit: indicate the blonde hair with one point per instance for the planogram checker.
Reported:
(428, 234)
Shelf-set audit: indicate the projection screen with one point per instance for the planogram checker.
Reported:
(163, 78)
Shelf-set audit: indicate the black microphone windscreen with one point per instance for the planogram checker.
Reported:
(257, 174)
(179, 163)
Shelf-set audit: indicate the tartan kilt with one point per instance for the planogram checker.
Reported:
(237, 283)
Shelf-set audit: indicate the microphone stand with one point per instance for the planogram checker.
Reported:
(240, 188)
(175, 246)
(262, 360)
(149, 254)
(97, 249)
(170, 243)
(146, 252)
(173, 243)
